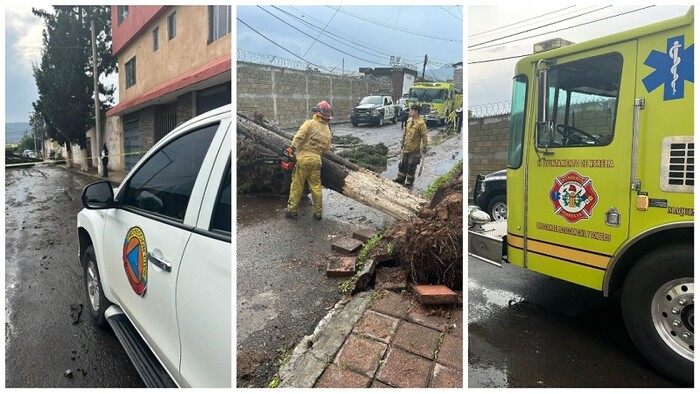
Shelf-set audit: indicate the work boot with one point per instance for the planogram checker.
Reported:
(409, 186)
(400, 181)
(317, 216)
(290, 214)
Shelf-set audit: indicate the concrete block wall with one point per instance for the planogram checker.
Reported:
(488, 146)
(147, 121)
(285, 96)
(185, 108)
(113, 136)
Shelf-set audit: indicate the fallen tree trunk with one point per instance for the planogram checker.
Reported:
(338, 174)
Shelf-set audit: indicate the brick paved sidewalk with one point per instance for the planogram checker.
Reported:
(395, 342)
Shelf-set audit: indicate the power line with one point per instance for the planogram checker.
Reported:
(331, 34)
(565, 28)
(519, 22)
(389, 27)
(319, 34)
(448, 11)
(280, 46)
(539, 27)
(339, 33)
(382, 51)
(329, 46)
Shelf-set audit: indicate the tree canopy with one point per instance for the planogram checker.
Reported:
(64, 77)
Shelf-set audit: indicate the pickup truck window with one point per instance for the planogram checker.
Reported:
(164, 183)
(375, 100)
(221, 220)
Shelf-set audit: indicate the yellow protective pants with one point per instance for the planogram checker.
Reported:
(306, 170)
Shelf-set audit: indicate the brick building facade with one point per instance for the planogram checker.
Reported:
(174, 64)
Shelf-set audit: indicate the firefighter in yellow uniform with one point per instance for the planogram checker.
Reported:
(312, 139)
(414, 145)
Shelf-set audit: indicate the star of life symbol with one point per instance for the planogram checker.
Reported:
(672, 68)
(573, 196)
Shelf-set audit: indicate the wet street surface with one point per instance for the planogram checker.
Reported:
(47, 329)
(282, 288)
(529, 330)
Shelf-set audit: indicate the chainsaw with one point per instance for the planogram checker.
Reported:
(288, 159)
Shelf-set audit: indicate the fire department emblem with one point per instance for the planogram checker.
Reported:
(573, 196)
(135, 257)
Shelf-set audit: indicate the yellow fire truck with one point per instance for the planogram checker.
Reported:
(436, 99)
(600, 180)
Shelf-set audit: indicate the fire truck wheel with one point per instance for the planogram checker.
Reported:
(658, 306)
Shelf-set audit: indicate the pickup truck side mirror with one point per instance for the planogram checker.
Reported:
(98, 195)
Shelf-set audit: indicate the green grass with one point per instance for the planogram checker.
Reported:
(274, 382)
(442, 179)
(345, 286)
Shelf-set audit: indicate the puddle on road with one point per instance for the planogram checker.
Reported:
(487, 377)
(254, 314)
(485, 302)
(256, 210)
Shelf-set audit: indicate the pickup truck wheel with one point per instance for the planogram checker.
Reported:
(497, 208)
(395, 118)
(96, 302)
(658, 306)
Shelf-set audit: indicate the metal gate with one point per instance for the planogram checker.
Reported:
(213, 97)
(165, 120)
(131, 141)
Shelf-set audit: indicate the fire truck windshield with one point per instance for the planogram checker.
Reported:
(425, 95)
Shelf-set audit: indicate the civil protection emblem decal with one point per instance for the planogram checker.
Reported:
(135, 257)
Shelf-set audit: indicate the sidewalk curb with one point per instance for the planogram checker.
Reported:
(315, 352)
(115, 181)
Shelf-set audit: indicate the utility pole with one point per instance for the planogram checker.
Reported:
(97, 98)
(425, 62)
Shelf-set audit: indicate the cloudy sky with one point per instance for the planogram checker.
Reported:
(491, 82)
(23, 44)
(22, 49)
(369, 35)
(359, 36)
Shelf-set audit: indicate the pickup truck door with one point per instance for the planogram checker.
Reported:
(204, 287)
(146, 237)
(578, 189)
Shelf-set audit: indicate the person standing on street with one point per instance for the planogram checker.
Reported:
(104, 155)
(413, 146)
(312, 139)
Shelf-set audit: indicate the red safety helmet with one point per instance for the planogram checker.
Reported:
(324, 110)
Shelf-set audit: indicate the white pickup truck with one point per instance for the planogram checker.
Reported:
(156, 254)
(376, 110)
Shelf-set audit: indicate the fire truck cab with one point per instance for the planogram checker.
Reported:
(600, 180)
(436, 100)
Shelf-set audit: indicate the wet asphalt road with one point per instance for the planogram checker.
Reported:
(530, 330)
(44, 334)
(282, 288)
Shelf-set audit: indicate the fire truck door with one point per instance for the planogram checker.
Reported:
(578, 189)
